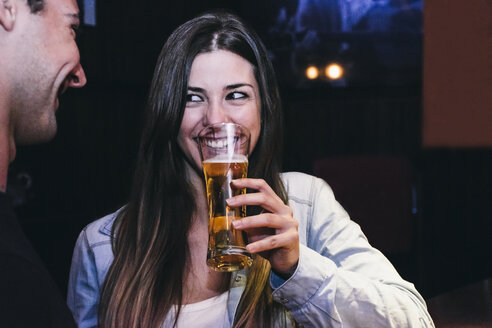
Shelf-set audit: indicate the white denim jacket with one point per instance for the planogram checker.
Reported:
(340, 281)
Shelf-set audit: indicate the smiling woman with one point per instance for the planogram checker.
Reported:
(145, 265)
(232, 96)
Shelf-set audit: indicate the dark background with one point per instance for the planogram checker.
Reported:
(86, 171)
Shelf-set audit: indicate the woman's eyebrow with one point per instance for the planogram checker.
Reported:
(196, 89)
(238, 85)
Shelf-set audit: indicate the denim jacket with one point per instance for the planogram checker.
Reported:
(340, 281)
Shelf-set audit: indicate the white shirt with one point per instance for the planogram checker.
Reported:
(210, 313)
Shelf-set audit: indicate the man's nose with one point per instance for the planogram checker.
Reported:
(77, 78)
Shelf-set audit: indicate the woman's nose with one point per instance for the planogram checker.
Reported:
(216, 113)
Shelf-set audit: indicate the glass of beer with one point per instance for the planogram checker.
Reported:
(224, 150)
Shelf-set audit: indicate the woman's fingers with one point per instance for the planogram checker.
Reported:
(283, 240)
(265, 197)
(258, 184)
(274, 233)
(282, 232)
(269, 220)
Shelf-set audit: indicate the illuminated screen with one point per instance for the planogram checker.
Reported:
(370, 42)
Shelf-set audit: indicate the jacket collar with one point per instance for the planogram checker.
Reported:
(107, 225)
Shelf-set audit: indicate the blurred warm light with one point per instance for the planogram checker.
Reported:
(312, 72)
(334, 71)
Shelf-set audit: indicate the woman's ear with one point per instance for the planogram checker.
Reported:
(7, 14)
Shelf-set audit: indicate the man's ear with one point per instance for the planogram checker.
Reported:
(7, 14)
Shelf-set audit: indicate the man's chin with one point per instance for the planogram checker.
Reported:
(36, 137)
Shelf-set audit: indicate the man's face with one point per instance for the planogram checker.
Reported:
(49, 63)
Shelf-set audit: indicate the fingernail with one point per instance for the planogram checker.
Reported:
(237, 224)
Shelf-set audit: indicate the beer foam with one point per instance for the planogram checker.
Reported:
(226, 158)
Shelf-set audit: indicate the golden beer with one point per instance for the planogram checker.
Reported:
(226, 245)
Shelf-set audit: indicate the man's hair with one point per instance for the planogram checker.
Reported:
(36, 5)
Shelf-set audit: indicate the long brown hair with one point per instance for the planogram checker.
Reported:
(150, 235)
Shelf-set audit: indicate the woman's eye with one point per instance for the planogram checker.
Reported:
(193, 98)
(236, 95)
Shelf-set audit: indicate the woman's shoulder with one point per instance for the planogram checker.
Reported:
(295, 176)
(302, 185)
(100, 230)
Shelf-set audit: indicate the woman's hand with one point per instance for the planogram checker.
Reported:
(273, 233)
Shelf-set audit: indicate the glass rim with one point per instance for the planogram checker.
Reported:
(218, 126)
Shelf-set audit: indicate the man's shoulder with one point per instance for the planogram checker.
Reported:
(29, 297)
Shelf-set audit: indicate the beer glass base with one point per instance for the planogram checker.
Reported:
(229, 259)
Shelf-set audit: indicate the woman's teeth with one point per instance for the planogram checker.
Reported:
(216, 143)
